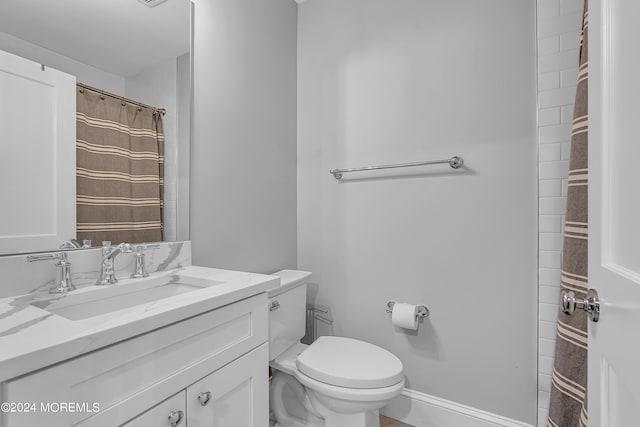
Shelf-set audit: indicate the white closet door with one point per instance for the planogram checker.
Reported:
(37, 156)
(614, 212)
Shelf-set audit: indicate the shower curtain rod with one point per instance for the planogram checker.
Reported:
(121, 98)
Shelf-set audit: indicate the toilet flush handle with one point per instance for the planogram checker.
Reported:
(274, 306)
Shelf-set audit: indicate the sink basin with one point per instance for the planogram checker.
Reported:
(83, 305)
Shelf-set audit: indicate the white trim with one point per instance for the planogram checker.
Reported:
(422, 410)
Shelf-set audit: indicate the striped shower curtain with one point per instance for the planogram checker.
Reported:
(568, 404)
(119, 170)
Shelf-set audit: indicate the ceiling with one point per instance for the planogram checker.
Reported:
(118, 36)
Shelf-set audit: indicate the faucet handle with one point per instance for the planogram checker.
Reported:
(141, 269)
(65, 284)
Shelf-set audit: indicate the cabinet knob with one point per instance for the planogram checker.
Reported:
(204, 398)
(175, 418)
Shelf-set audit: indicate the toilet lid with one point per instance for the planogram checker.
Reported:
(346, 362)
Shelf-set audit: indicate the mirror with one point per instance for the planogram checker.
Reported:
(139, 50)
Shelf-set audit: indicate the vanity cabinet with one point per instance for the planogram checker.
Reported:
(234, 395)
(221, 354)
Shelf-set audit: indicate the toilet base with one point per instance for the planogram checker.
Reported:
(361, 419)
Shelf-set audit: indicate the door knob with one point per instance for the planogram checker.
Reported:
(591, 304)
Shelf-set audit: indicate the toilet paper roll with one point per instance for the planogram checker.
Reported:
(405, 316)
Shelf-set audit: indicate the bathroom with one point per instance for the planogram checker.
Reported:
(283, 92)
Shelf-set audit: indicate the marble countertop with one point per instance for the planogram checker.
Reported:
(32, 338)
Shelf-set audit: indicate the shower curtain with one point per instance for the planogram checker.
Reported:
(119, 170)
(568, 404)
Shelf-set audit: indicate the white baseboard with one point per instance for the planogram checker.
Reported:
(423, 410)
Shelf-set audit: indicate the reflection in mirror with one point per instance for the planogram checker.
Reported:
(126, 49)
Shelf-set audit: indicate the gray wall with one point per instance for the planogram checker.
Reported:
(243, 164)
(383, 81)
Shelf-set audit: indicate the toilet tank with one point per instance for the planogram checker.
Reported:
(287, 311)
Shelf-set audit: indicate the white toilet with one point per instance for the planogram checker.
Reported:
(334, 382)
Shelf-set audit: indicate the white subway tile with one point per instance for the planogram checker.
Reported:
(547, 347)
(543, 413)
(557, 133)
(559, 25)
(558, 61)
(549, 277)
(557, 97)
(548, 311)
(544, 398)
(549, 295)
(550, 241)
(566, 114)
(548, 329)
(550, 170)
(550, 187)
(547, 81)
(553, 205)
(550, 153)
(565, 153)
(548, 45)
(569, 78)
(549, 116)
(550, 259)
(550, 224)
(544, 382)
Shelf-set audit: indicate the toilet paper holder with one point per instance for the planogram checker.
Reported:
(423, 311)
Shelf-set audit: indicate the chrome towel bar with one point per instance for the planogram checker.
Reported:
(455, 162)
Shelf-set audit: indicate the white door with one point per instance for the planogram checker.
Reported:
(614, 211)
(37, 156)
(236, 395)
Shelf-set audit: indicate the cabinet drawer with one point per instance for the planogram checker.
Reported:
(159, 415)
(150, 367)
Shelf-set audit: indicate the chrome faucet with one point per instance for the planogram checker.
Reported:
(65, 285)
(141, 269)
(75, 244)
(109, 253)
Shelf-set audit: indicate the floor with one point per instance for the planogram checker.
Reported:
(390, 422)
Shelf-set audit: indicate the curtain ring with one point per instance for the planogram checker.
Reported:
(102, 97)
(81, 90)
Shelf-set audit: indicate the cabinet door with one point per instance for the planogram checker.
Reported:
(170, 413)
(236, 395)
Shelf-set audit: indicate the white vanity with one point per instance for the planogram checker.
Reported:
(185, 346)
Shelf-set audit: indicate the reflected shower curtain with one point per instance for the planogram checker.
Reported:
(568, 404)
(119, 170)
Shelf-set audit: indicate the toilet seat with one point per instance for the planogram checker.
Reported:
(348, 363)
(350, 394)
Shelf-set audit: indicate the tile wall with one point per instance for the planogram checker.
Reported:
(559, 25)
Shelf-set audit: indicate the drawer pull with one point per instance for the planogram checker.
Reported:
(204, 398)
(175, 418)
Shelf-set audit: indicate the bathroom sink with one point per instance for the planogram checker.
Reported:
(78, 306)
